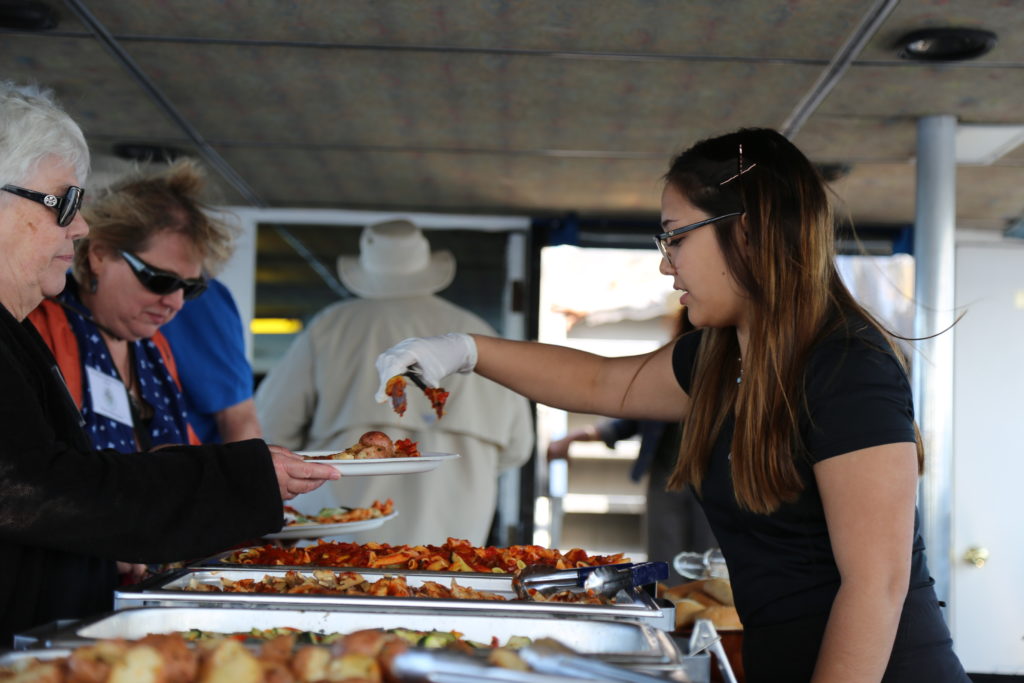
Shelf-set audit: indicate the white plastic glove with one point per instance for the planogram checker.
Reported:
(433, 358)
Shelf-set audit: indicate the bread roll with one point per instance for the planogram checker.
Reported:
(310, 663)
(141, 664)
(354, 666)
(720, 590)
(230, 662)
(692, 590)
(724, 617)
(686, 611)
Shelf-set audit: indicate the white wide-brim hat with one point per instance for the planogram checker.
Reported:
(395, 261)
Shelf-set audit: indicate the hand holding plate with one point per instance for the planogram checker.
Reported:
(295, 475)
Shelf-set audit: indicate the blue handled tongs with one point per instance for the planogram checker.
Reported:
(606, 579)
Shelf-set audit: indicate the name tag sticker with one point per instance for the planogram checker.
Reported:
(109, 396)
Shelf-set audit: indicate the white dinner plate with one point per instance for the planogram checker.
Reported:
(318, 530)
(355, 468)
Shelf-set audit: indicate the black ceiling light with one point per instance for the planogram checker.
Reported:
(945, 44)
(27, 16)
(142, 151)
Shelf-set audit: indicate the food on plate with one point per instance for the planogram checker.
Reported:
(366, 656)
(395, 388)
(706, 599)
(374, 445)
(377, 509)
(455, 555)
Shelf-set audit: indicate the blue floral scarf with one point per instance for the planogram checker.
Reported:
(156, 386)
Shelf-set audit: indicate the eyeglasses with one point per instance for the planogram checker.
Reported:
(66, 206)
(161, 281)
(666, 240)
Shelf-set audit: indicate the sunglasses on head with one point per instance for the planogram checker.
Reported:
(66, 206)
(163, 282)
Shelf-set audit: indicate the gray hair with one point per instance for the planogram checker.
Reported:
(33, 127)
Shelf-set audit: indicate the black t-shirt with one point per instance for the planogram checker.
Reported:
(781, 565)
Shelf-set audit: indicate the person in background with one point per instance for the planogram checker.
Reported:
(216, 379)
(68, 510)
(149, 244)
(315, 397)
(799, 419)
(673, 519)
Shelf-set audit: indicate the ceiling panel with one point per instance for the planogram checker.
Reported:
(644, 27)
(538, 107)
(471, 101)
(975, 94)
(101, 95)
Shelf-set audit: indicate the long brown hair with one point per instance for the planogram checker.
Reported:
(782, 253)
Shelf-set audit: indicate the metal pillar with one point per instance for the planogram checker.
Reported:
(933, 359)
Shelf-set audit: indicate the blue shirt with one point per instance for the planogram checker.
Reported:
(209, 348)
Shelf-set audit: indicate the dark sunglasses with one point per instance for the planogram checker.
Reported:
(163, 282)
(66, 206)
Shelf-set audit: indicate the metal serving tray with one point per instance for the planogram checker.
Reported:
(170, 591)
(611, 641)
(11, 658)
(411, 673)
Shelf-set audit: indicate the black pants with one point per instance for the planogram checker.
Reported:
(923, 650)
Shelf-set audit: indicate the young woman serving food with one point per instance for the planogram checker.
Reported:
(799, 427)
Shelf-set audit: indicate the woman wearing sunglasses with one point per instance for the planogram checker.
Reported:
(67, 509)
(799, 430)
(150, 242)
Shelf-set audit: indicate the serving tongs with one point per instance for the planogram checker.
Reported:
(705, 637)
(550, 662)
(415, 378)
(549, 656)
(606, 580)
(432, 666)
(436, 395)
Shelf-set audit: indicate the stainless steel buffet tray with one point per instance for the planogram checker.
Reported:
(621, 642)
(170, 591)
(419, 666)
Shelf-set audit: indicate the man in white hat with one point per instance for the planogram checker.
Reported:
(320, 395)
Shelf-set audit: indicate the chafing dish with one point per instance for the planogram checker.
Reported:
(172, 590)
(634, 645)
